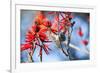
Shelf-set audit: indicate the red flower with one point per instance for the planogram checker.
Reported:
(40, 18)
(66, 17)
(85, 42)
(50, 27)
(65, 22)
(47, 23)
(25, 46)
(80, 33)
(38, 32)
(54, 27)
(63, 19)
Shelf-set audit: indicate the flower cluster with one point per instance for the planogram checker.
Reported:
(37, 34)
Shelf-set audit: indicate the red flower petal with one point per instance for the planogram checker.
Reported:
(29, 37)
(61, 27)
(42, 36)
(47, 23)
(46, 46)
(69, 24)
(40, 18)
(53, 30)
(43, 30)
(25, 46)
(35, 28)
(63, 21)
(55, 26)
(46, 49)
(56, 18)
(40, 15)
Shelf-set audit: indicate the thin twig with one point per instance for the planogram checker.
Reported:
(69, 35)
(31, 59)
